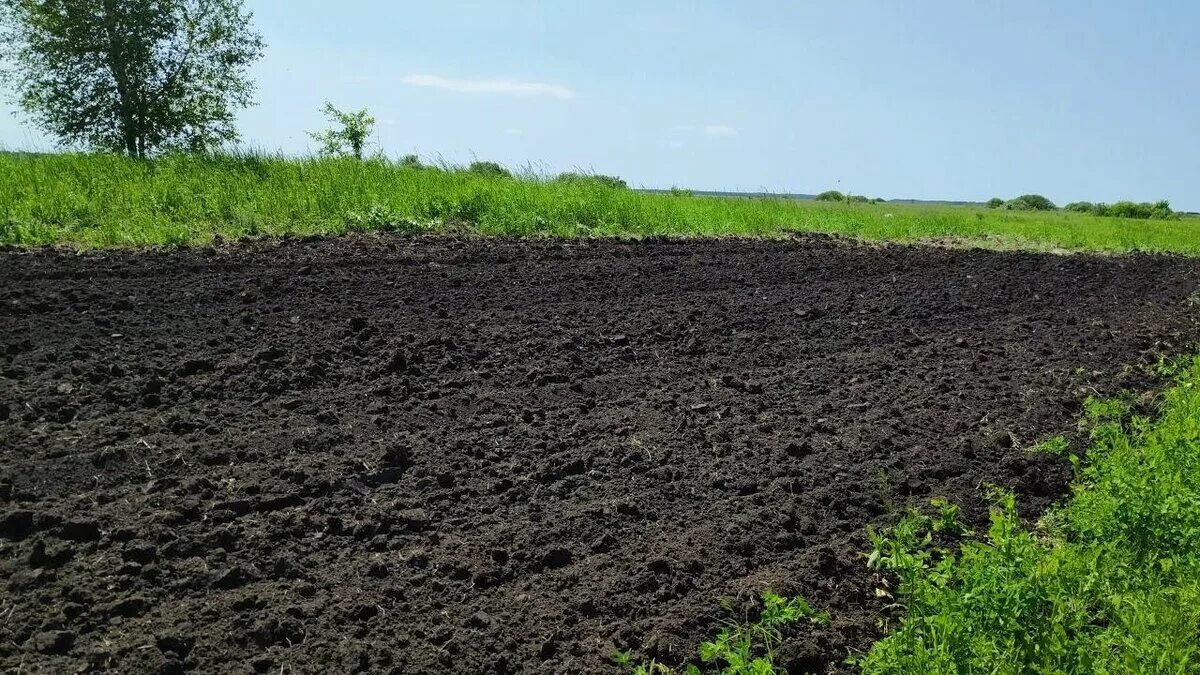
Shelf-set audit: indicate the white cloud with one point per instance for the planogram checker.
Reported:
(513, 131)
(494, 86)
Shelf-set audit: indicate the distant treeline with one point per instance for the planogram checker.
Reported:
(497, 170)
(1160, 210)
(836, 196)
(1125, 209)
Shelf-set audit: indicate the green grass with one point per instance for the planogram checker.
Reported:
(743, 647)
(1109, 582)
(103, 200)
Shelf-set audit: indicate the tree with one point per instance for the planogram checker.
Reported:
(351, 138)
(831, 196)
(1030, 203)
(132, 76)
(995, 203)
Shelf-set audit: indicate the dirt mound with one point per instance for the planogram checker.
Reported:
(425, 455)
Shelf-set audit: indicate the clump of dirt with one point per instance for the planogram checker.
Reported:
(495, 455)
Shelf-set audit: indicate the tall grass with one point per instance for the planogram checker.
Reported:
(105, 200)
(1109, 584)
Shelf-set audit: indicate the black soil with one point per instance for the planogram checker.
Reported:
(431, 455)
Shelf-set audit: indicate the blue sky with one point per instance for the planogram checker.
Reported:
(932, 100)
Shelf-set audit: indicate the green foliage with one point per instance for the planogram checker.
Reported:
(411, 162)
(1160, 210)
(1110, 584)
(134, 76)
(348, 140)
(995, 203)
(742, 647)
(1029, 203)
(595, 178)
(681, 192)
(103, 200)
(831, 196)
(489, 169)
(380, 218)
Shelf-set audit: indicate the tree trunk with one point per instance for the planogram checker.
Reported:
(117, 65)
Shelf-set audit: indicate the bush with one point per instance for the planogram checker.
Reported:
(1030, 203)
(411, 162)
(1160, 210)
(831, 196)
(600, 179)
(489, 169)
(995, 203)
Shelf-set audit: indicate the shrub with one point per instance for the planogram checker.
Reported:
(831, 196)
(411, 162)
(489, 169)
(1126, 209)
(600, 179)
(351, 138)
(1030, 203)
(681, 192)
(995, 203)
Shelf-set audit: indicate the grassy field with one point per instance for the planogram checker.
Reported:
(104, 200)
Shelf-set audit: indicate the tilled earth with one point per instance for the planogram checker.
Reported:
(490, 455)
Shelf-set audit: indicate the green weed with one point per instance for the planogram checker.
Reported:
(1109, 583)
(742, 647)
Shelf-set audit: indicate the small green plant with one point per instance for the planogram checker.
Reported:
(949, 518)
(651, 667)
(742, 647)
(883, 485)
(351, 138)
(749, 647)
